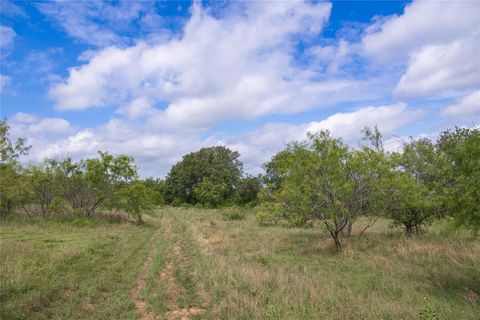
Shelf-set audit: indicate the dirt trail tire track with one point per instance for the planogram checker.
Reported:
(140, 303)
(173, 288)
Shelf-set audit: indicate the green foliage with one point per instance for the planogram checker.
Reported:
(413, 199)
(210, 193)
(43, 188)
(59, 206)
(11, 182)
(215, 171)
(324, 179)
(89, 184)
(268, 213)
(247, 189)
(411, 203)
(157, 187)
(460, 177)
(10, 150)
(428, 311)
(134, 198)
(10, 195)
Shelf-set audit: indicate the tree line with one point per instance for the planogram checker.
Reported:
(319, 179)
(210, 177)
(327, 180)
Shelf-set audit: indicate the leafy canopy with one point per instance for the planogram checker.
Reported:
(208, 176)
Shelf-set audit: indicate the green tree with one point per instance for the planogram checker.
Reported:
(248, 188)
(11, 182)
(134, 198)
(43, 188)
(413, 198)
(88, 184)
(460, 175)
(322, 178)
(157, 187)
(210, 193)
(10, 150)
(10, 179)
(218, 166)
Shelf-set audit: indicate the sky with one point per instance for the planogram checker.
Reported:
(157, 80)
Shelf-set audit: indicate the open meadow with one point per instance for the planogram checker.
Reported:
(192, 159)
(186, 263)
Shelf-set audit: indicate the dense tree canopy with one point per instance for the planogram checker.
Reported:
(321, 178)
(208, 176)
(460, 175)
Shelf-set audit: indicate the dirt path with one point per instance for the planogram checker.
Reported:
(140, 303)
(171, 296)
(174, 290)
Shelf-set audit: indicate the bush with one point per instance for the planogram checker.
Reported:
(267, 213)
(234, 213)
(428, 311)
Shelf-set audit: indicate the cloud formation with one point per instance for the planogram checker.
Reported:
(102, 23)
(167, 92)
(239, 66)
(156, 151)
(438, 42)
(7, 35)
(466, 106)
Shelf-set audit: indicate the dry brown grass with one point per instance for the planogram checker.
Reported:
(275, 272)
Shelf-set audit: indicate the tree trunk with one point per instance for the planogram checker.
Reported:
(336, 237)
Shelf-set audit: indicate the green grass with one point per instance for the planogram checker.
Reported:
(232, 269)
(66, 271)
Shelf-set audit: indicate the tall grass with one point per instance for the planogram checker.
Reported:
(207, 265)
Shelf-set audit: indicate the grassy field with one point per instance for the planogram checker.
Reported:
(198, 264)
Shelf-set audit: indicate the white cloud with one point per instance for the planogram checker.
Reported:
(442, 70)
(422, 23)
(22, 117)
(37, 127)
(466, 106)
(236, 66)
(156, 150)
(50, 126)
(348, 125)
(4, 81)
(140, 107)
(243, 62)
(437, 41)
(10, 9)
(7, 35)
(102, 23)
(258, 146)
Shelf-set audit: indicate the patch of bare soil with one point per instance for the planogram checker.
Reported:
(184, 314)
(88, 306)
(213, 240)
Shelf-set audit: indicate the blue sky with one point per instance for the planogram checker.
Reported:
(159, 79)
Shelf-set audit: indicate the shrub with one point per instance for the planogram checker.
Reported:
(267, 213)
(428, 311)
(234, 213)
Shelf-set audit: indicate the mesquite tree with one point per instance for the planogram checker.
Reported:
(323, 178)
(88, 184)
